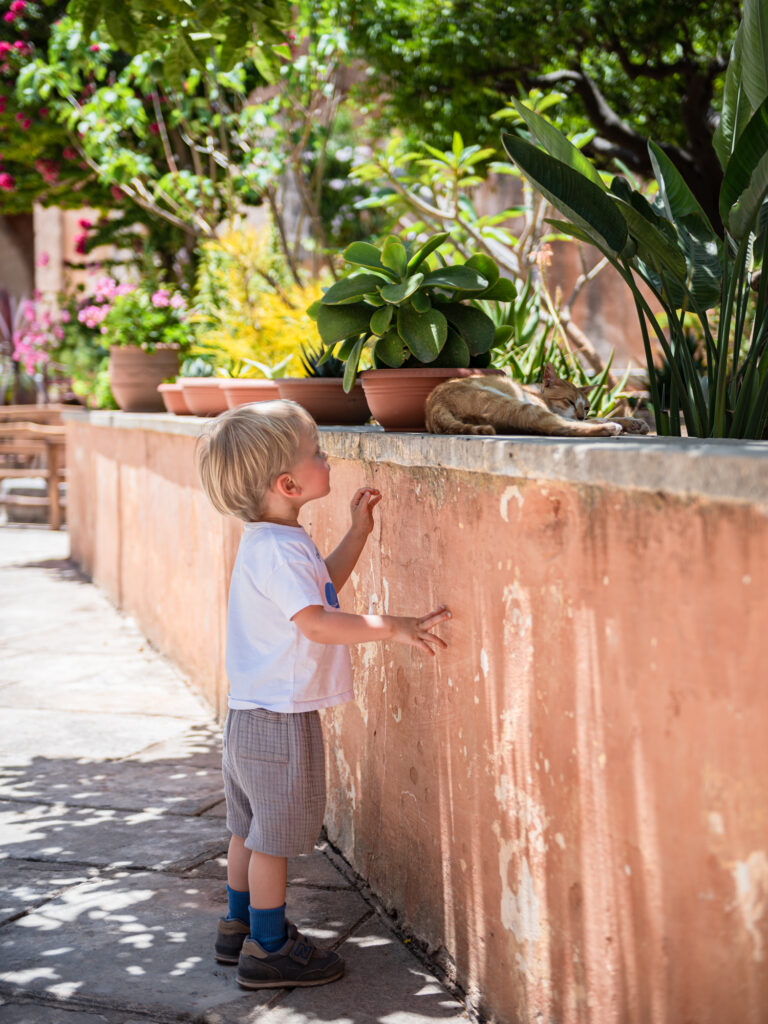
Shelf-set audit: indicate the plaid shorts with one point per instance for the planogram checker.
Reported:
(274, 779)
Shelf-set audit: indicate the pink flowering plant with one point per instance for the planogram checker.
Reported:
(145, 316)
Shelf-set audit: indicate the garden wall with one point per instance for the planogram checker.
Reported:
(568, 806)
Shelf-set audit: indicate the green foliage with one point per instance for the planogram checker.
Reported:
(672, 248)
(140, 319)
(405, 312)
(629, 70)
(314, 365)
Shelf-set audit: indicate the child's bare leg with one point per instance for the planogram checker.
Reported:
(238, 857)
(267, 880)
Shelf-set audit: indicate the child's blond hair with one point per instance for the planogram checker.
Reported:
(241, 453)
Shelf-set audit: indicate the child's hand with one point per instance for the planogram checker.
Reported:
(418, 632)
(363, 503)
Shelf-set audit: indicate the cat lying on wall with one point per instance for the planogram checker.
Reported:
(499, 405)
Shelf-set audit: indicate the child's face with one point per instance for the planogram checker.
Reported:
(311, 470)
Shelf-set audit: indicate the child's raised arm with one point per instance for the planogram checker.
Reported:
(324, 627)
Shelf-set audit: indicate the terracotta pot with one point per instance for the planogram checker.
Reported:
(397, 397)
(174, 400)
(326, 401)
(203, 395)
(135, 374)
(245, 390)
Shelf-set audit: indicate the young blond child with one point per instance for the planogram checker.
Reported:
(286, 657)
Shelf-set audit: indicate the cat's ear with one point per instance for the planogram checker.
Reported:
(587, 388)
(549, 377)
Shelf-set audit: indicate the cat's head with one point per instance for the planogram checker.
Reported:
(563, 397)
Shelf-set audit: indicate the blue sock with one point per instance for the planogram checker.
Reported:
(268, 927)
(238, 905)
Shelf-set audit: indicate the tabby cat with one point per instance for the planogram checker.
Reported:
(499, 405)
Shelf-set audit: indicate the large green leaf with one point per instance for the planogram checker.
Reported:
(390, 350)
(353, 361)
(462, 278)
(677, 198)
(556, 144)
(572, 193)
(363, 254)
(746, 177)
(394, 256)
(485, 266)
(335, 323)
(421, 254)
(397, 293)
(472, 324)
(423, 333)
(652, 246)
(381, 320)
(736, 109)
(754, 51)
(503, 290)
(454, 352)
(354, 287)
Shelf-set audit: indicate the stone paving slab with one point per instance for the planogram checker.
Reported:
(34, 1013)
(121, 785)
(27, 734)
(143, 942)
(26, 884)
(383, 983)
(198, 744)
(104, 837)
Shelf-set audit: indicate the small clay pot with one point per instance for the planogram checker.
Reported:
(326, 401)
(246, 390)
(135, 374)
(203, 395)
(397, 397)
(174, 400)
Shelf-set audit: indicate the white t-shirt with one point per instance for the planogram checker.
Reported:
(270, 663)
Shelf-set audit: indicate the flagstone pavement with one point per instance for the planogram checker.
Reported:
(112, 835)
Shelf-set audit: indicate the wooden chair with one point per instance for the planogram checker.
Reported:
(33, 450)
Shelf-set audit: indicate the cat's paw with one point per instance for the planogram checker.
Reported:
(609, 429)
(635, 426)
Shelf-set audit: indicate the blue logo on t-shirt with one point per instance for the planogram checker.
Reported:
(330, 595)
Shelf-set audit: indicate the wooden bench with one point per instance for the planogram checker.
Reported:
(33, 450)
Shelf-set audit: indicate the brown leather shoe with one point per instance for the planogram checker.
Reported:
(230, 936)
(297, 963)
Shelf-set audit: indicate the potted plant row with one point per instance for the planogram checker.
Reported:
(416, 322)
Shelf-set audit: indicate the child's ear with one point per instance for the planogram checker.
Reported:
(286, 486)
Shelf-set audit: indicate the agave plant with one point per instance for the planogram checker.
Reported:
(315, 363)
(408, 314)
(672, 247)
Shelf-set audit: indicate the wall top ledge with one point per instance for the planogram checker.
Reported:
(716, 469)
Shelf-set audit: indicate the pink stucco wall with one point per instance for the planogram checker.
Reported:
(569, 805)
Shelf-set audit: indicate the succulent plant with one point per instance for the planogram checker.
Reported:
(408, 314)
(195, 366)
(315, 365)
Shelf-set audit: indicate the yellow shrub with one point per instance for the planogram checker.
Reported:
(239, 316)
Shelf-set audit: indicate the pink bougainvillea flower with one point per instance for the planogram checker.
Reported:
(69, 153)
(23, 120)
(155, 128)
(7, 182)
(43, 259)
(94, 48)
(22, 47)
(85, 224)
(80, 244)
(9, 16)
(17, 7)
(161, 298)
(5, 47)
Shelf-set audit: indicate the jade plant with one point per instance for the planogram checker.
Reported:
(407, 313)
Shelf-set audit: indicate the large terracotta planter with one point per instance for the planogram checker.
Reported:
(245, 390)
(135, 374)
(203, 395)
(326, 401)
(397, 398)
(174, 400)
